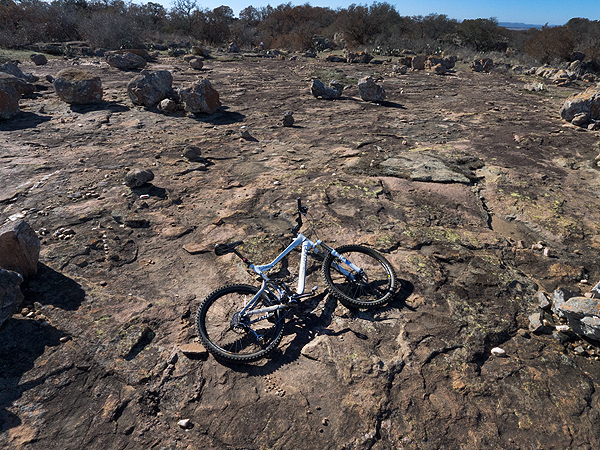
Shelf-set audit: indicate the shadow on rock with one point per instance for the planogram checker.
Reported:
(22, 342)
(23, 121)
(222, 117)
(151, 190)
(101, 106)
(49, 287)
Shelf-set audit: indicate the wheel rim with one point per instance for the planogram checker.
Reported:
(233, 334)
(371, 285)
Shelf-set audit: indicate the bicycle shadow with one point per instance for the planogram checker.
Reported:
(306, 326)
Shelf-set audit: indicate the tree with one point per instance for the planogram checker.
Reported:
(482, 34)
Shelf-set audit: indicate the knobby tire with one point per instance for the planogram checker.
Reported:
(236, 344)
(376, 286)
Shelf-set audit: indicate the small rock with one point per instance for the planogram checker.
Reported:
(497, 351)
(186, 424)
(193, 153)
(167, 105)
(536, 324)
(138, 177)
(38, 59)
(245, 134)
(579, 350)
(288, 119)
(563, 328)
(543, 301)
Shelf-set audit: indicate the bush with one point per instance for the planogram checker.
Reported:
(551, 44)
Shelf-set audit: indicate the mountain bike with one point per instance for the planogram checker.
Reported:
(244, 323)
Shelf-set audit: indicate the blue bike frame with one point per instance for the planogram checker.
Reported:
(307, 245)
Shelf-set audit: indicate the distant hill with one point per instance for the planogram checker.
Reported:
(518, 25)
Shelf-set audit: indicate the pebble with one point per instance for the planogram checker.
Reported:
(184, 423)
(497, 351)
(277, 183)
(563, 328)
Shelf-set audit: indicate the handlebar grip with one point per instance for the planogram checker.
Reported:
(299, 203)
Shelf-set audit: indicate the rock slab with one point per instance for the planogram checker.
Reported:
(19, 248)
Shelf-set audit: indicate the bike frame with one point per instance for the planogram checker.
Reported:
(307, 245)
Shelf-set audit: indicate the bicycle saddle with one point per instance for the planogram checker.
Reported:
(223, 249)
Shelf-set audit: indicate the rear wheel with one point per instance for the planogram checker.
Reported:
(228, 335)
(373, 285)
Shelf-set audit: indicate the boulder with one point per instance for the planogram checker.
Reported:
(360, 57)
(9, 101)
(21, 86)
(77, 86)
(233, 48)
(138, 177)
(401, 69)
(149, 88)
(370, 91)
(10, 293)
(331, 92)
(38, 59)
(200, 97)
(12, 68)
(199, 51)
(126, 61)
(19, 248)
(196, 63)
(418, 62)
(587, 102)
(440, 65)
(583, 316)
(335, 58)
(136, 51)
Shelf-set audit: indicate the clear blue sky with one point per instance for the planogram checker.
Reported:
(536, 12)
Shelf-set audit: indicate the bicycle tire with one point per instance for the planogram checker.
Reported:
(239, 343)
(375, 286)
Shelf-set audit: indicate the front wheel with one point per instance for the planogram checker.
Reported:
(232, 336)
(372, 285)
